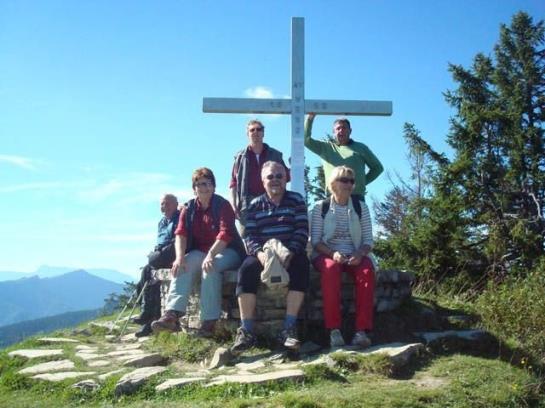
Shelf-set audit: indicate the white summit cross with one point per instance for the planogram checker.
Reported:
(297, 106)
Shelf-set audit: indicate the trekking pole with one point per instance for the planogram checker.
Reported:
(122, 311)
(133, 307)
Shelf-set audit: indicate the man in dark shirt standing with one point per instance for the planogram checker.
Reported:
(282, 215)
(161, 257)
(246, 175)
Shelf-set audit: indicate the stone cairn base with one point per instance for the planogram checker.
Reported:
(392, 287)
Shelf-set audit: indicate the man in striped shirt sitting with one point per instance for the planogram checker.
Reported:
(282, 215)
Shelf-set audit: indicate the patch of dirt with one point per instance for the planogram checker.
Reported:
(429, 382)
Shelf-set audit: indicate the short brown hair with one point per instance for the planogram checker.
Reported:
(255, 122)
(203, 172)
(344, 121)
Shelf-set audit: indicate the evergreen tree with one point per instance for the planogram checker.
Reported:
(498, 138)
(483, 212)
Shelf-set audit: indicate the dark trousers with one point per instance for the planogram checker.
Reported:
(249, 274)
(156, 259)
(151, 298)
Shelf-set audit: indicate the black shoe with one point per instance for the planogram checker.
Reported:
(142, 319)
(288, 338)
(144, 331)
(243, 341)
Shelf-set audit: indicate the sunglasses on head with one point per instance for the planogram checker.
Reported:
(278, 176)
(346, 180)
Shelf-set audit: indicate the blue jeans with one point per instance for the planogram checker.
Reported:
(211, 283)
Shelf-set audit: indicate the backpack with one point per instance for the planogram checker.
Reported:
(355, 203)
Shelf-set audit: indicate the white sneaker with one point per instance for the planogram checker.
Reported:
(336, 338)
(361, 340)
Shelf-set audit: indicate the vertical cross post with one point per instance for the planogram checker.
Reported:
(297, 104)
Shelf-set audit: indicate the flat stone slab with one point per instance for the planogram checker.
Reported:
(89, 356)
(35, 353)
(102, 377)
(130, 338)
(471, 335)
(256, 365)
(129, 352)
(178, 383)
(85, 348)
(131, 381)
(257, 378)
(130, 346)
(99, 363)
(58, 365)
(55, 377)
(145, 360)
(399, 353)
(57, 340)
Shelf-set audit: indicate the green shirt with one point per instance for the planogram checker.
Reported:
(355, 155)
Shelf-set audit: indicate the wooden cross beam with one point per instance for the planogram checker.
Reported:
(297, 106)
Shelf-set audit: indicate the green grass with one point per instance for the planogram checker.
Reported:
(444, 379)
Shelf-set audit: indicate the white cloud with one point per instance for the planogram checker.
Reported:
(19, 161)
(129, 188)
(46, 185)
(259, 91)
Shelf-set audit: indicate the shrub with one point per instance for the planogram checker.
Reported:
(515, 308)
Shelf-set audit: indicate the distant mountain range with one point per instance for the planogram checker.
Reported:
(35, 297)
(46, 271)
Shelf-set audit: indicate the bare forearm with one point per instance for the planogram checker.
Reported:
(217, 247)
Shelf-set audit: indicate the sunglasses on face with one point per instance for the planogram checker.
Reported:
(204, 184)
(278, 176)
(257, 129)
(345, 180)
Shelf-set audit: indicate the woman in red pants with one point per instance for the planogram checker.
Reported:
(341, 235)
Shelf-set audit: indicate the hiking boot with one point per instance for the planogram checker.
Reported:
(144, 331)
(361, 340)
(336, 338)
(288, 338)
(168, 322)
(243, 341)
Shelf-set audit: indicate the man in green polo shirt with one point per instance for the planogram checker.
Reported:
(344, 152)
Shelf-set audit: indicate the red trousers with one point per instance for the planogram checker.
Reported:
(364, 282)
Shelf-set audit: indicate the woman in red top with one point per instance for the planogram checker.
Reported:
(207, 243)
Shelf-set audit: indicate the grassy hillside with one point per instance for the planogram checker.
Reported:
(449, 374)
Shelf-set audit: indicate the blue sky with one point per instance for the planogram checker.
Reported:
(101, 102)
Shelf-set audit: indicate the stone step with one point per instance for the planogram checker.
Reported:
(58, 365)
(35, 353)
(130, 382)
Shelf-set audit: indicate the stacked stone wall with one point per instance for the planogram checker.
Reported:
(392, 287)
